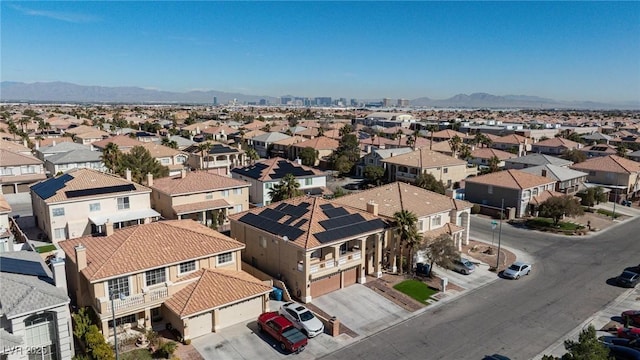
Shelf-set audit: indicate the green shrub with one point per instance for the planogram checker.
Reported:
(165, 349)
(475, 209)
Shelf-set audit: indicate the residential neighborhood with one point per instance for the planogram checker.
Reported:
(190, 229)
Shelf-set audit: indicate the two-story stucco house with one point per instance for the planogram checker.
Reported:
(264, 175)
(174, 160)
(81, 201)
(613, 172)
(312, 245)
(262, 143)
(555, 146)
(407, 167)
(19, 171)
(513, 143)
(198, 195)
(35, 322)
(375, 157)
(174, 272)
(217, 158)
(515, 187)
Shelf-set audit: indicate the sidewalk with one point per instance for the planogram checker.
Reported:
(602, 320)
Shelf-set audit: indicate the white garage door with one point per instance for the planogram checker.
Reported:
(200, 325)
(237, 313)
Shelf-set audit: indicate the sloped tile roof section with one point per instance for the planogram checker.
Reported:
(121, 140)
(4, 205)
(10, 158)
(611, 163)
(557, 142)
(540, 159)
(142, 247)
(400, 196)
(511, 179)
(424, 158)
(319, 143)
(201, 206)
(213, 288)
(275, 169)
(196, 182)
(488, 153)
(544, 196)
(311, 222)
(14, 147)
(559, 173)
(76, 156)
(84, 183)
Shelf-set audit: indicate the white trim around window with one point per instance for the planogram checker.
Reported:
(187, 267)
(224, 259)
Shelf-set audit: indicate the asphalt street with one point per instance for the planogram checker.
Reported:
(570, 281)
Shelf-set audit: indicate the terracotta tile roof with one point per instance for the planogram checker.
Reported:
(201, 206)
(214, 288)
(253, 133)
(487, 153)
(123, 141)
(544, 196)
(610, 163)
(157, 150)
(511, 139)
(96, 134)
(53, 141)
(558, 142)
(137, 248)
(448, 229)
(219, 130)
(196, 181)
(256, 124)
(10, 158)
(81, 129)
(511, 179)
(290, 140)
(399, 196)
(449, 134)
(311, 226)
(4, 205)
(88, 179)
(13, 147)
(424, 158)
(319, 143)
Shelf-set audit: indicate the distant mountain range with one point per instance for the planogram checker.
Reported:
(72, 93)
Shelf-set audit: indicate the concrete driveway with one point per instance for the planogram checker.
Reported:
(361, 309)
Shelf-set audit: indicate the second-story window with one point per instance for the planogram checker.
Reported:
(436, 220)
(308, 182)
(209, 196)
(94, 207)
(225, 258)
(225, 193)
(57, 212)
(123, 203)
(237, 191)
(186, 267)
(155, 276)
(119, 286)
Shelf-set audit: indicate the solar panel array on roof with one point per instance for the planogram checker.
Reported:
(100, 190)
(23, 266)
(300, 223)
(351, 230)
(297, 211)
(272, 214)
(285, 167)
(221, 149)
(271, 226)
(340, 221)
(254, 171)
(48, 188)
(335, 212)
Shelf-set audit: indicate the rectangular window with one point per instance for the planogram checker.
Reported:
(592, 173)
(186, 267)
(123, 203)
(420, 225)
(237, 208)
(445, 170)
(60, 233)
(58, 211)
(209, 196)
(225, 193)
(6, 171)
(94, 207)
(490, 189)
(308, 182)
(155, 276)
(535, 191)
(225, 258)
(237, 191)
(263, 242)
(119, 286)
(436, 220)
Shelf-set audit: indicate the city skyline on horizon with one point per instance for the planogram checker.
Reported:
(584, 51)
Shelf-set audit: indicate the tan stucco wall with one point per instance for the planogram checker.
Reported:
(164, 203)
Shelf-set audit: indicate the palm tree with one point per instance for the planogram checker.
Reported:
(398, 135)
(252, 154)
(321, 131)
(204, 149)
(408, 235)
(494, 164)
(111, 157)
(432, 129)
(465, 152)
(287, 188)
(455, 143)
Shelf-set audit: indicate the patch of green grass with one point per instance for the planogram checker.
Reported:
(608, 213)
(137, 354)
(547, 224)
(45, 248)
(415, 289)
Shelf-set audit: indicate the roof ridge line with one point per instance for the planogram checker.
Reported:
(116, 249)
(195, 286)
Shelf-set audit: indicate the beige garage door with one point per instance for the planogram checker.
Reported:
(200, 325)
(240, 312)
(350, 276)
(8, 189)
(325, 285)
(24, 188)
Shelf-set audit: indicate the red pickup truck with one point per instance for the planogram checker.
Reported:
(283, 331)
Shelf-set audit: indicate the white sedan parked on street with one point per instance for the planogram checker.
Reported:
(302, 318)
(516, 270)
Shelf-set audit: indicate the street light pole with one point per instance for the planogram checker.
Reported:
(500, 235)
(113, 314)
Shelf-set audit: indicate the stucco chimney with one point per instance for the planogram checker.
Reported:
(128, 174)
(298, 161)
(25, 143)
(81, 256)
(149, 179)
(53, 143)
(59, 274)
(108, 228)
(183, 174)
(37, 144)
(372, 208)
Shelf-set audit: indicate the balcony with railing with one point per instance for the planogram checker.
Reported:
(145, 299)
(320, 267)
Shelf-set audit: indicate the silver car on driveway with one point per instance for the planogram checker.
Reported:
(302, 318)
(463, 266)
(516, 270)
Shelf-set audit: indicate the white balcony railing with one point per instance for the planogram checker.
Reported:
(158, 294)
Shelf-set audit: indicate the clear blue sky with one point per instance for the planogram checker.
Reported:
(560, 50)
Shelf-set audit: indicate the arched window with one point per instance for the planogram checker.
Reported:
(42, 337)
